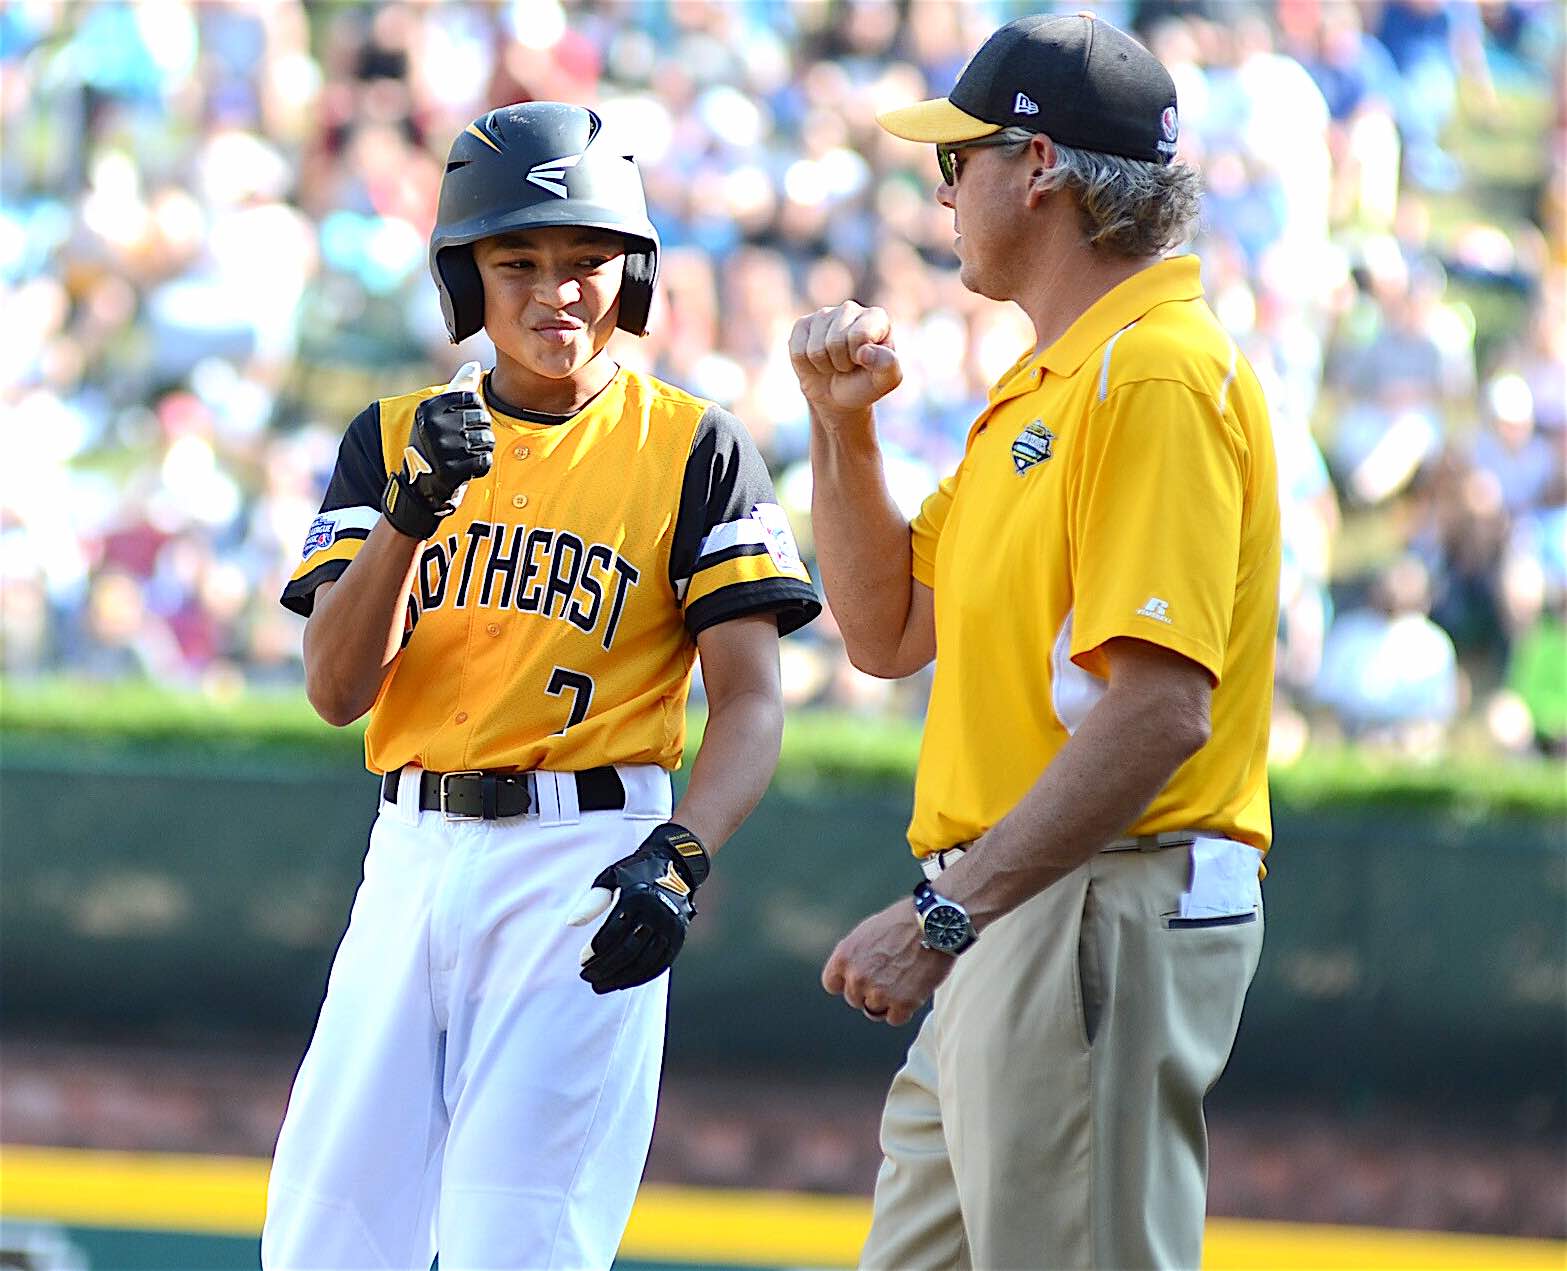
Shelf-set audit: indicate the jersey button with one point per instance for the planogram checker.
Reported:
(494, 628)
(522, 452)
(519, 500)
(462, 717)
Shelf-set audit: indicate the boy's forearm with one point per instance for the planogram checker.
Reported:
(733, 766)
(356, 628)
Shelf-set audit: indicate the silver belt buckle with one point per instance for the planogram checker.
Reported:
(446, 794)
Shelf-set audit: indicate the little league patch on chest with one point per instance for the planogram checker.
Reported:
(1033, 445)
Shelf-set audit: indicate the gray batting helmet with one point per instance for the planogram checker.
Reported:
(537, 164)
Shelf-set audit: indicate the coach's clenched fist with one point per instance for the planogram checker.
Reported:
(451, 442)
(844, 358)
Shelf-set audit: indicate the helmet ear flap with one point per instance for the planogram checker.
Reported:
(636, 290)
(462, 291)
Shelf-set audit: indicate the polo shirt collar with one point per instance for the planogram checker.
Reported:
(1177, 278)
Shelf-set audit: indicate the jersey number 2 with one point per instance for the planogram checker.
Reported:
(580, 687)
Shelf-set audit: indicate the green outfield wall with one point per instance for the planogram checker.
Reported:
(1415, 947)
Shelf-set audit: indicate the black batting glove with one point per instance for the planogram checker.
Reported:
(649, 897)
(450, 443)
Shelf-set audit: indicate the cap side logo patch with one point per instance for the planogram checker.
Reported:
(1023, 104)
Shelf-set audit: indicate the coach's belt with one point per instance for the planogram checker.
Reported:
(488, 796)
(938, 861)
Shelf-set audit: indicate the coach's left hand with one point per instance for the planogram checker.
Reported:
(882, 970)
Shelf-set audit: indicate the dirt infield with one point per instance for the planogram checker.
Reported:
(1426, 1169)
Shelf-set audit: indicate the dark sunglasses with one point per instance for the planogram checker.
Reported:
(947, 153)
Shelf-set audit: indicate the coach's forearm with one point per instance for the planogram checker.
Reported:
(356, 627)
(862, 542)
(1097, 786)
(733, 767)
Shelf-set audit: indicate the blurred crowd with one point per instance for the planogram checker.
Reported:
(213, 254)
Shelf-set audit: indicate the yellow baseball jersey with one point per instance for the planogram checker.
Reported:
(1121, 483)
(554, 615)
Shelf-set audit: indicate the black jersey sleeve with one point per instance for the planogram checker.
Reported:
(734, 553)
(348, 513)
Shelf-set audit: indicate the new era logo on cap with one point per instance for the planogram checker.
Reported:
(1024, 105)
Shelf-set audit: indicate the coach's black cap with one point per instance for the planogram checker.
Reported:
(1082, 81)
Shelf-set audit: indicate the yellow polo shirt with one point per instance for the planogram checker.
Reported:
(1121, 483)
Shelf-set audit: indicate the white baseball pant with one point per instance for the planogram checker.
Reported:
(465, 1090)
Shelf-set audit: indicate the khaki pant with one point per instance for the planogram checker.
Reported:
(1049, 1114)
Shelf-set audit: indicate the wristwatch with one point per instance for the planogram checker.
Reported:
(944, 924)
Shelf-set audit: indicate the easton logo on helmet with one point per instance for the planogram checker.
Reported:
(551, 174)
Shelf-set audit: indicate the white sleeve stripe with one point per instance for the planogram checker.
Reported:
(1104, 368)
(328, 527)
(732, 534)
(360, 518)
(1224, 389)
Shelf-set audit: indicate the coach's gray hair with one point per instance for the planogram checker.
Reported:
(1128, 207)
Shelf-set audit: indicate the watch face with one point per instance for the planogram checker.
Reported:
(946, 928)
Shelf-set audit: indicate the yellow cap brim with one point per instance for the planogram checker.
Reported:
(936, 120)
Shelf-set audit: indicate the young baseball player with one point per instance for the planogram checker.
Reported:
(513, 574)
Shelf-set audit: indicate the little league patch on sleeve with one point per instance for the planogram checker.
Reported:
(322, 531)
(339, 523)
(777, 536)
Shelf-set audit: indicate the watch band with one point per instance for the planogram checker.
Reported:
(925, 897)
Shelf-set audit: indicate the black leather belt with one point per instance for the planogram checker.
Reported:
(488, 796)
